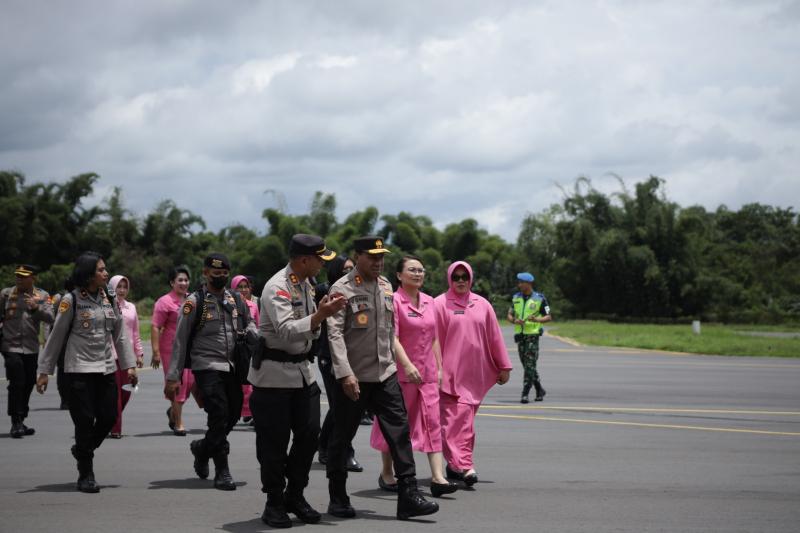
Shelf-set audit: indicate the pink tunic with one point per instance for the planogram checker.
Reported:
(415, 327)
(165, 315)
(473, 351)
(131, 320)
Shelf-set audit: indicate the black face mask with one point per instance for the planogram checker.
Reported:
(218, 282)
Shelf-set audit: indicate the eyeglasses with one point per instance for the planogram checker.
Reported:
(415, 270)
(462, 277)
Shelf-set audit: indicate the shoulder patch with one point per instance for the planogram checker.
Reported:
(187, 307)
(283, 294)
(63, 307)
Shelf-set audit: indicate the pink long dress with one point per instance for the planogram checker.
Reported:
(473, 354)
(415, 327)
(131, 320)
(165, 315)
(247, 390)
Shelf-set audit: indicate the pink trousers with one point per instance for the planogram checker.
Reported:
(247, 390)
(422, 405)
(458, 431)
(123, 396)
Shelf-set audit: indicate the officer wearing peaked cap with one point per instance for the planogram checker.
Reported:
(285, 398)
(362, 345)
(23, 309)
(210, 323)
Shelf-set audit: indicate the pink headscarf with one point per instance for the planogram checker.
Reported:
(462, 299)
(237, 280)
(114, 281)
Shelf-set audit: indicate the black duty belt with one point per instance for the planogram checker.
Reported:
(283, 357)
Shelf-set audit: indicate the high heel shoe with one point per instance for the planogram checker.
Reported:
(471, 479)
(388, 487)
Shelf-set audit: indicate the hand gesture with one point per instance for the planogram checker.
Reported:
(30, 301)
(332, 304)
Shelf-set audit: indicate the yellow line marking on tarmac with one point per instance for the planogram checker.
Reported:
(646, 410)
(640, 424)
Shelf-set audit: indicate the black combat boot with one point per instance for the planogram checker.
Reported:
(340, 501)
(410, 502)
(540, 392)
(27, 431)
(275, 511)
(297, 504)
(86, 481)
(17, 429)
(222, 474)
(525, 390)
(200, 458)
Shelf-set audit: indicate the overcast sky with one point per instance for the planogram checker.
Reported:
(449, 109)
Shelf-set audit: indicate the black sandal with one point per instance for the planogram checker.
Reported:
(169, 418)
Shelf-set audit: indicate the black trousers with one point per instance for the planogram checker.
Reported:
(330, 383)
(61, 381)
(21, 375)
(385, 400)
(279, 412)
(222, 402)
(92, 400)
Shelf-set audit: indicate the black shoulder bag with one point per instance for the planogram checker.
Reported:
(243, 350)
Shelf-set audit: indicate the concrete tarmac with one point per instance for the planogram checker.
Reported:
(625, 440)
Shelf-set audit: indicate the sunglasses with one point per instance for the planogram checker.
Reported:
(462, 277)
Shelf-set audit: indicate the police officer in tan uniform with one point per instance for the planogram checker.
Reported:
(363, 346)
(206, 335)
(23, 309)
(86, 325)
(285, 399)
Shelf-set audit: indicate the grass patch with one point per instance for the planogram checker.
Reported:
(715, 339)
(144, 328)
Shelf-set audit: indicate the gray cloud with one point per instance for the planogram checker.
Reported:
(439, 108)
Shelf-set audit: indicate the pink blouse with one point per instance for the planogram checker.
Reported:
(416, 329)
(131, 320)
(165, 315)
(473, 351)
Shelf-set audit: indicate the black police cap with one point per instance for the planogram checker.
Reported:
(371, 244)
(304, 244)
(217, 260)
(25, 270)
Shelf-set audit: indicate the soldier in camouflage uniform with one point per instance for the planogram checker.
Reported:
(529, 310)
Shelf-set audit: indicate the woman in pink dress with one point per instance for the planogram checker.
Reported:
(419, 371)
(121, 286)
(242, 285)
(164, 324)
(474, 358)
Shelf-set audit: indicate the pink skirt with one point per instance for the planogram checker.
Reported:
(422, 404)
(187, 379)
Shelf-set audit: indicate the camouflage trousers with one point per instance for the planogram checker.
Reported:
(528, 350)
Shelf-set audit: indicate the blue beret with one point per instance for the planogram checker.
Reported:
(525, 276)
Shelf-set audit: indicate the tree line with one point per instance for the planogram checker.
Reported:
(629, 255)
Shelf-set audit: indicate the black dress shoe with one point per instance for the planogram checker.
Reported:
(275, 516)
(452, 474)
(470, 479)
(341, 509)
(438, 489)
(353, 465)
(299, 506)
(388, 487)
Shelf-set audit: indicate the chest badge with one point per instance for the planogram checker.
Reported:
(362, 319)
(85, 324)
(358, 280)
(63, 307)
(187, 307)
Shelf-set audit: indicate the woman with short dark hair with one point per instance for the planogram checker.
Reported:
(86, 327)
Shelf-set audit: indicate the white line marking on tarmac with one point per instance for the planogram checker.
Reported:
(645, 409)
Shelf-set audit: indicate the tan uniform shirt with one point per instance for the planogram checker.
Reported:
(20, 325)
(286, 308)
(92, 327)
(361, 335)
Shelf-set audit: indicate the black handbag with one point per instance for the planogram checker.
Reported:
(243, 349)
